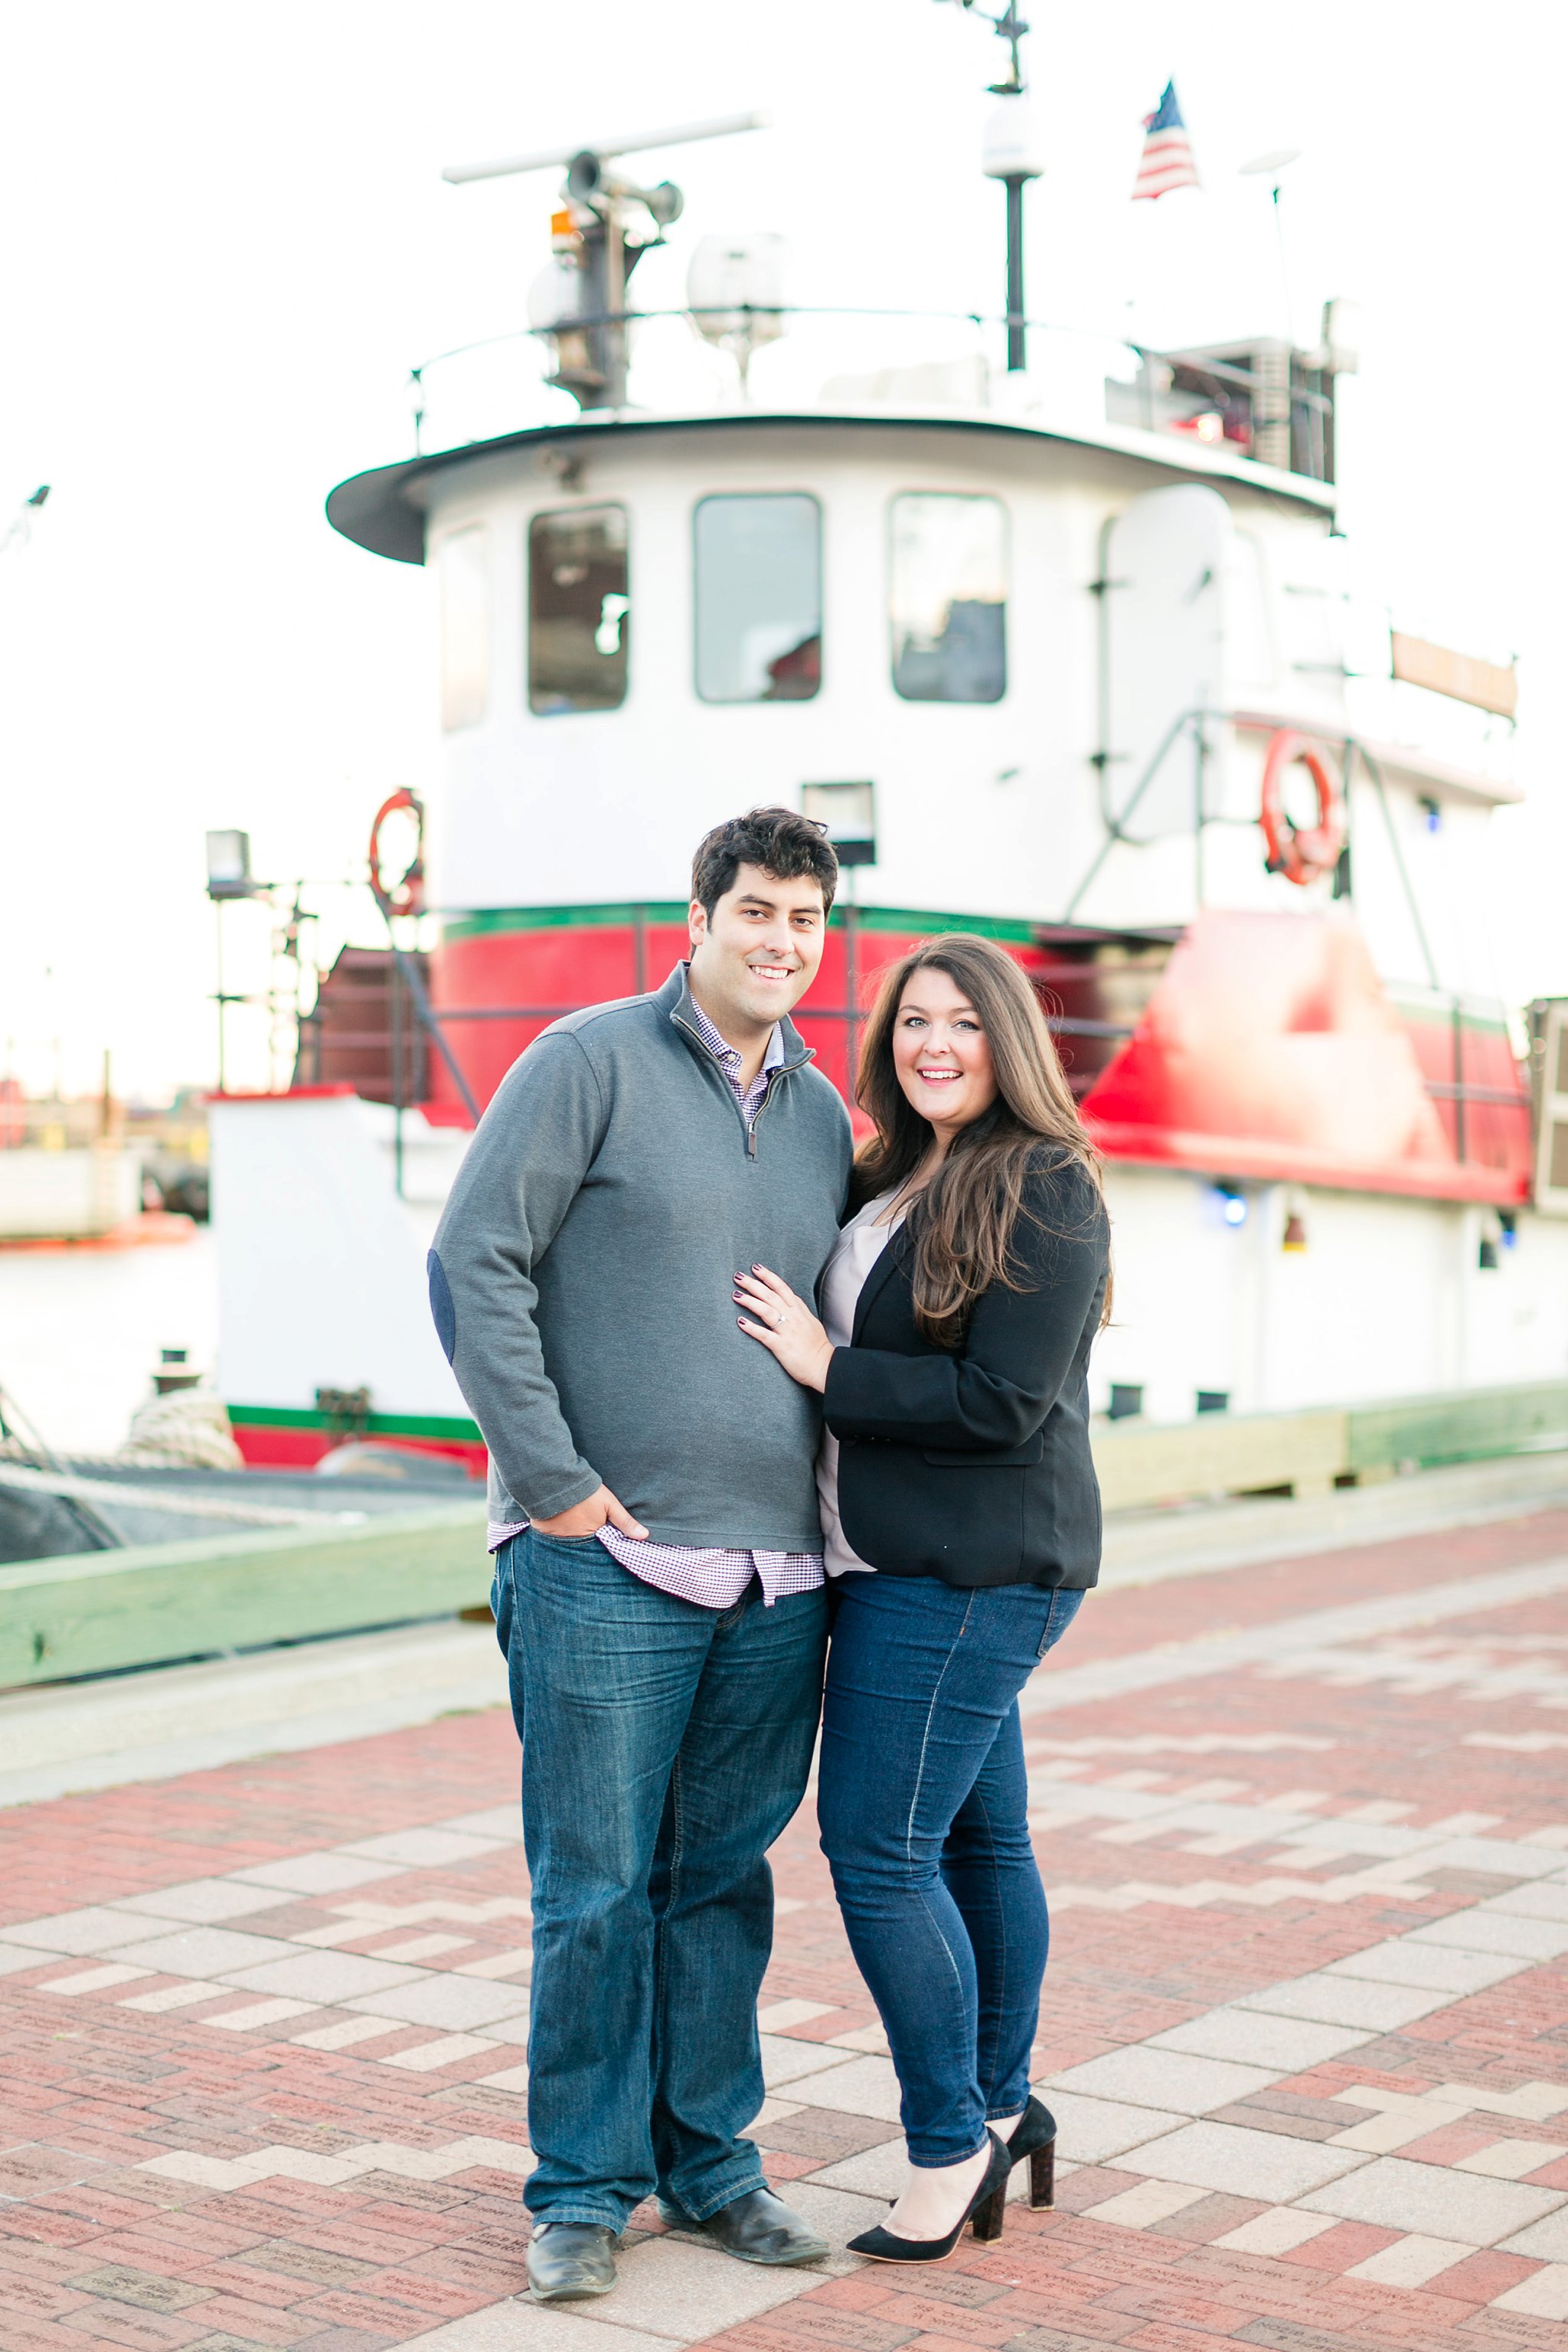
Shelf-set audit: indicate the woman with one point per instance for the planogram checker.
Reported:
(960, 1519)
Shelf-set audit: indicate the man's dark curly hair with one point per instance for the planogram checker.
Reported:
(781, 843)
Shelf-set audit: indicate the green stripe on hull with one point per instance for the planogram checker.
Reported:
(487, 919)
(490, 920)
(453, 1432)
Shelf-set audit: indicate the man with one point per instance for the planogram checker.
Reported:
(658, 1583)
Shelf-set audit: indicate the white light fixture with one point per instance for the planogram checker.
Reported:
(228, 866)
(1012, 146)
(848, 814)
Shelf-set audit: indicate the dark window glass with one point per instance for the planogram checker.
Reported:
(579, 611)
(759, 597)
(949, 597)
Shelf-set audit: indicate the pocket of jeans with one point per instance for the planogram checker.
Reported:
(1064, 1608)
(503, 1595)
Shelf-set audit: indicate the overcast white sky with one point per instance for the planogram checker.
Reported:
(226, 239)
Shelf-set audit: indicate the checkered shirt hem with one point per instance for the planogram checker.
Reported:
(714, 1580)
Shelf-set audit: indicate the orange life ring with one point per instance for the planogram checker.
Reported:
(1302, 853)
(407, 895)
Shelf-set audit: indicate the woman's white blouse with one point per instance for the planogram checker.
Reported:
(861, 1245)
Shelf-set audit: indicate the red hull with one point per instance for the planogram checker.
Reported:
(1267, 1048)
(279, 1445)
(555, 970)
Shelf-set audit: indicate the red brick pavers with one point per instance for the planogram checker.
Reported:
(180, 2181)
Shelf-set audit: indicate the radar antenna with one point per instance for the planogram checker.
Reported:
(601, 230)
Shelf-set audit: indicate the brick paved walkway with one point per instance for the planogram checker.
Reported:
(1306, 2027)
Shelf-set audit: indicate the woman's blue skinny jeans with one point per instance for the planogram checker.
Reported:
(923, 1807)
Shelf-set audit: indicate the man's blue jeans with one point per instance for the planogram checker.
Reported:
(664, 1747)
(924, 1811)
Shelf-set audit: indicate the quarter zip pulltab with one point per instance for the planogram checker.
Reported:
(782, 1071)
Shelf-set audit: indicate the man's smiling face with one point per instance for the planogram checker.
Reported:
(755, 956)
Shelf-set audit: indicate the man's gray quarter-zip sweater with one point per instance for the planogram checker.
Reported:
(582, 1277)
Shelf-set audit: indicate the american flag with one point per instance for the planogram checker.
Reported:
(1167, 159)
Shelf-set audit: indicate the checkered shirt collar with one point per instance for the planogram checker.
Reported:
(729, 1054)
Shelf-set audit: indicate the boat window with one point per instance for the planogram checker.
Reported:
(949, 597)
(579, 610)
(463, 565)
(759, 597)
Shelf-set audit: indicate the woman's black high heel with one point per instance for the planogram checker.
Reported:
(1036, 2137)
(985, 2209)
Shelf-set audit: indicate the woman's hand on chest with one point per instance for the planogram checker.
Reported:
(783, 1324)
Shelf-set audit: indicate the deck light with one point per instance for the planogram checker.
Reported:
(1232, 1202)
(228, 867)
(846, 813)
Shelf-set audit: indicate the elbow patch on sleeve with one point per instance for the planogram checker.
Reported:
(441, 1306)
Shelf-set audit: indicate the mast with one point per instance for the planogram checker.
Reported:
(1009, 154)
(605, 225)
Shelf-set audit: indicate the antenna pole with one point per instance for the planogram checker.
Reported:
(1011, 28)
(1017, 332)
(1284, 268)
(1013, 169)
(617, 339)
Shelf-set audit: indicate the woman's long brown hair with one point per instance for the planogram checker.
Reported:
(963, 1224)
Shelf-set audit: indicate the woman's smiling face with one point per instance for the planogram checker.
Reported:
(941, 1052)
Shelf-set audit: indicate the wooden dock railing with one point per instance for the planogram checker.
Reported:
(149, 1605)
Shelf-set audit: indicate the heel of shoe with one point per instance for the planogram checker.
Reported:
(988, 2217)
(1043, 2178)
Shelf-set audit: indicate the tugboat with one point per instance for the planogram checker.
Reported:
(1057, 655)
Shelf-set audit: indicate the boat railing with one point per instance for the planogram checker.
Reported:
(711, 361)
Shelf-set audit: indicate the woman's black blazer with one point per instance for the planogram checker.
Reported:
(973, 1464)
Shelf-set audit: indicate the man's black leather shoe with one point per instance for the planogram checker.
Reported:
(568, 2259)
(757, 2228)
